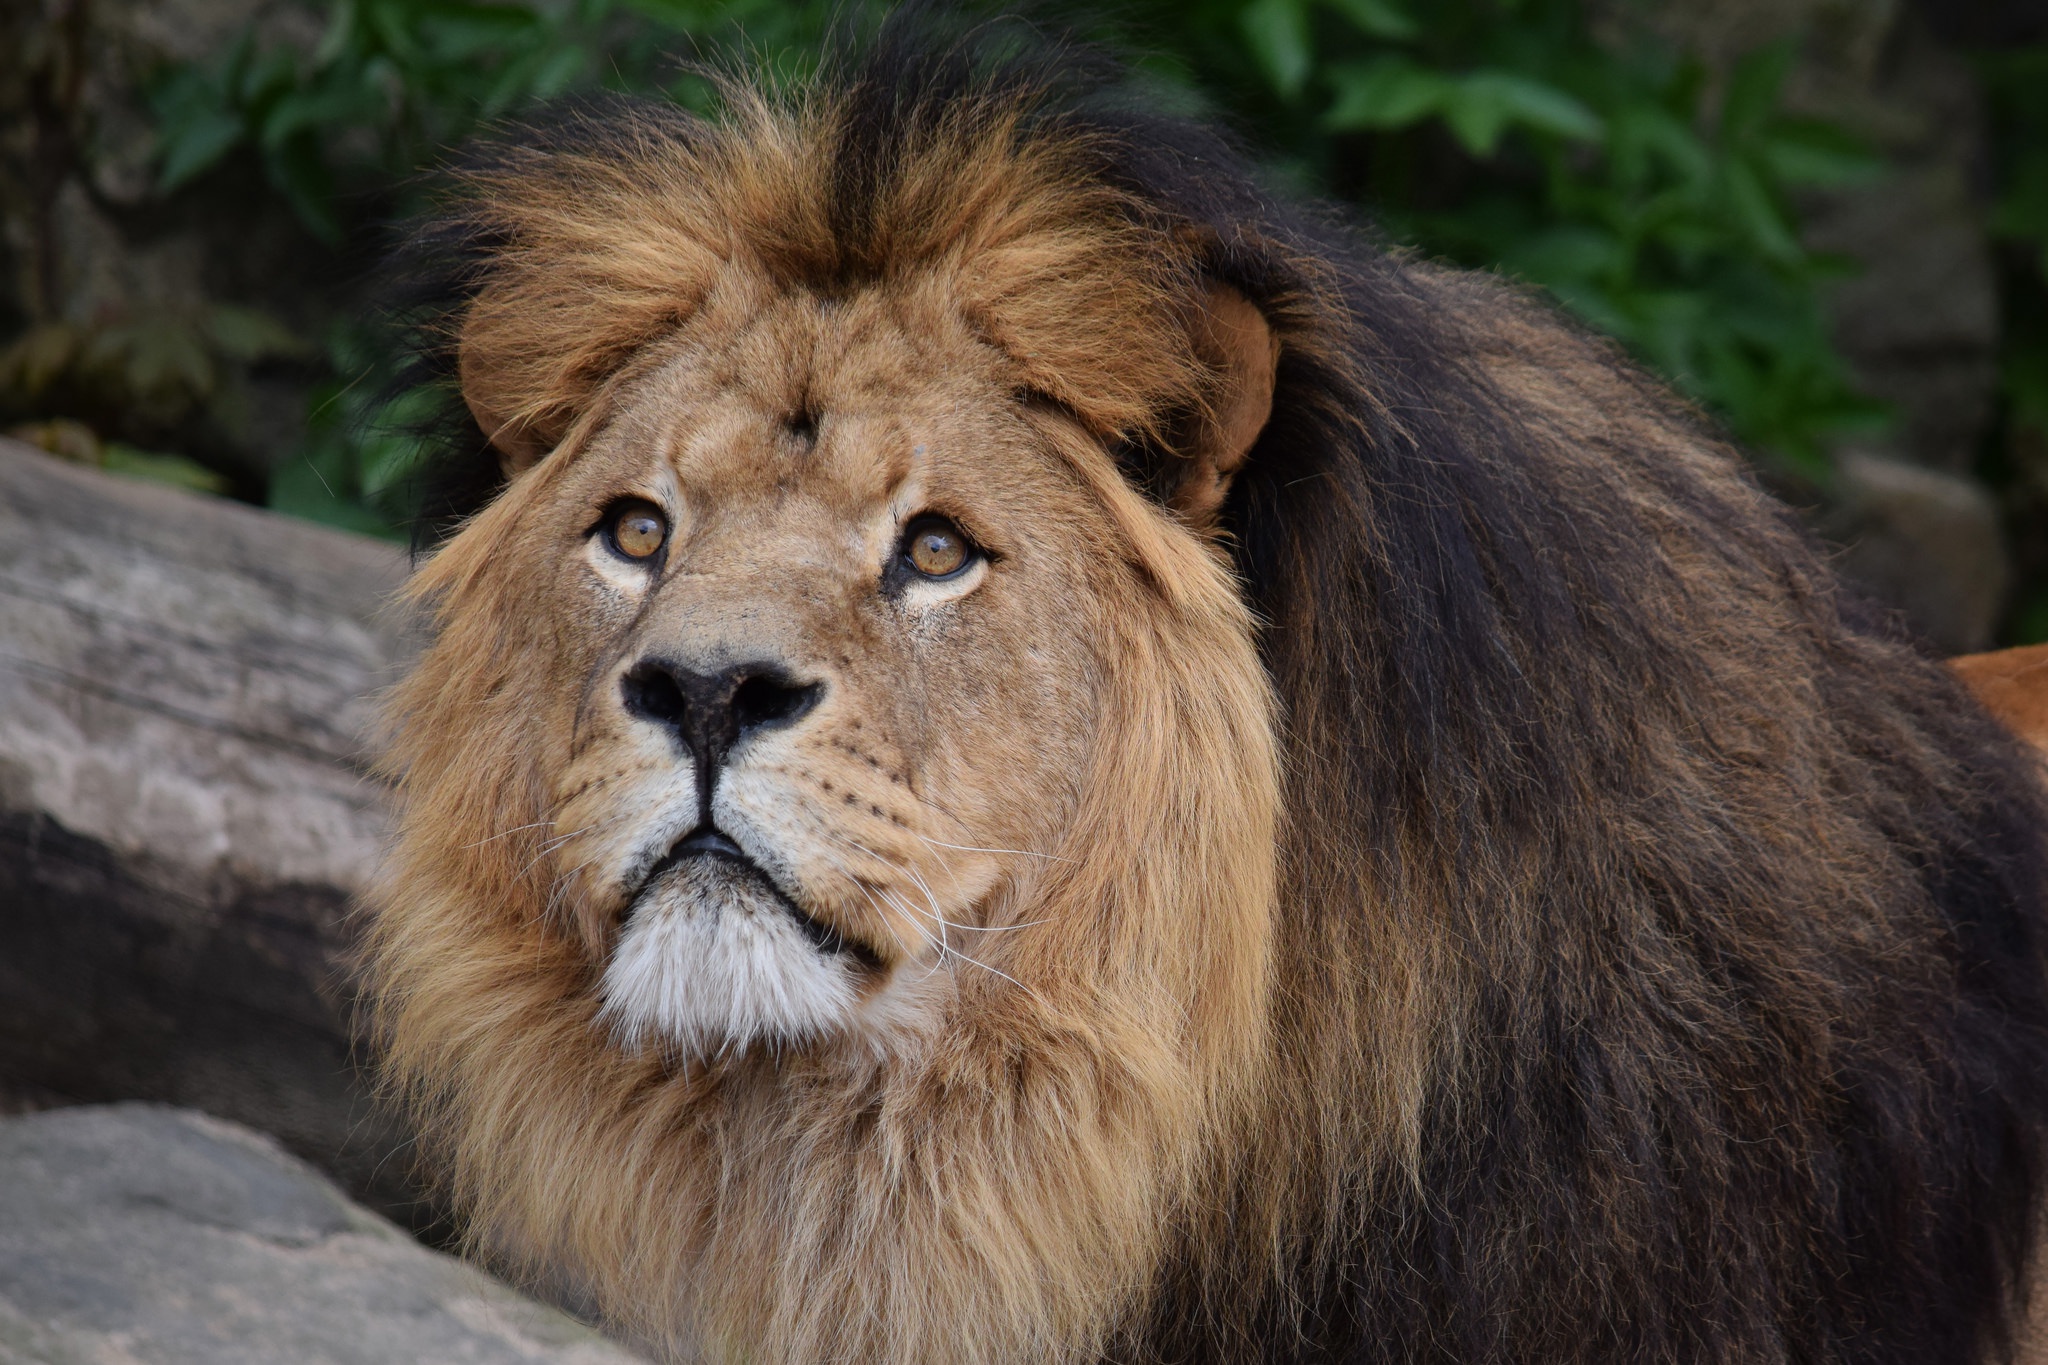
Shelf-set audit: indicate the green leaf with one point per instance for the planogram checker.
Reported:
(558, 70)
(1377, 19)
(1568, 252)
(1753, 208)
(340, 34)
(1536, 104)
(310, 110)
(465, 31)
(1476, 115)
(267, 76)
(300, 173)
(390, 21)
(1391, 92)
(1278, 33)
(1810, 152)
(1752, 94)
(1482, 106)
(248, 334)
(196, 146)
(176, 470)
(1650, 144)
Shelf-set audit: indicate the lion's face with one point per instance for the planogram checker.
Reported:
(822, 665)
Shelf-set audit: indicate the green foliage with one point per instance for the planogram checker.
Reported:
(394, 84)
(1501, 133)
(392, 87)
(361, 443)
(1497, 133)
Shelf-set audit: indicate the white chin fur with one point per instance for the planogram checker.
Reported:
(711, 961)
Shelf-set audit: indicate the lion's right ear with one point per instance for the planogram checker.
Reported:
(1235, 342)
(519, 441)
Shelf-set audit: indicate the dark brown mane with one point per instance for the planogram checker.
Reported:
(1662, 973)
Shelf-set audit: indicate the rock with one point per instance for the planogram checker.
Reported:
(1925, 542)
(185, 809)
(1918, 322)
(133, 1234)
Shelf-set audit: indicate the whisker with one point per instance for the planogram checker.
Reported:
(507, 833)
(934, 912)
(888, 920)
(1013, 852)
(970, 961)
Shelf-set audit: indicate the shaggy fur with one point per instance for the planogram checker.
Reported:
(1493, 896)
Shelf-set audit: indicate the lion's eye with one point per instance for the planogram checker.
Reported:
(936, 548)
(635, 529)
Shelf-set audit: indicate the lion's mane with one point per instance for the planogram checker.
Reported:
(1657, 969)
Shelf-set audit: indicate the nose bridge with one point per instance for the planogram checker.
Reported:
(753, 581)
(739, 615)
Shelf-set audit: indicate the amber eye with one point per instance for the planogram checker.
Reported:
(936, 548)
(636, 529)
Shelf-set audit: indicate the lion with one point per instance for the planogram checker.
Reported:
(1033, 753)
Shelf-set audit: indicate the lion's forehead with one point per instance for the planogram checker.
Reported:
(850, 403)
(879, 351)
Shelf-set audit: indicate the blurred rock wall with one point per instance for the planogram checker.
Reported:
(181, 323)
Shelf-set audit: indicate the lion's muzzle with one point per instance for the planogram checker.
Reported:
(713, 953)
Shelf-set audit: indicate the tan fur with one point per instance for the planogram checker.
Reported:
(985, 1172)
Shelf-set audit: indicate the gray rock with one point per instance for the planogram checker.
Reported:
(185, 806)
(133, 1234)
(1923, 541)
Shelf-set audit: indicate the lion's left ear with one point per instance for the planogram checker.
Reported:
(1232, 338)
(520, 442)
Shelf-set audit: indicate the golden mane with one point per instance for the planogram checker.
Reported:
(1517, 909)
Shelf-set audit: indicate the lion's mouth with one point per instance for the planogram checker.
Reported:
(707, 841)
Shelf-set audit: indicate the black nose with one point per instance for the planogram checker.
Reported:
(710, 713)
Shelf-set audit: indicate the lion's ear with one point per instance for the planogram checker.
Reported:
(519, 443)
(1231, 337)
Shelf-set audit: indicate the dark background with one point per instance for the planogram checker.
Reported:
(1827, 220)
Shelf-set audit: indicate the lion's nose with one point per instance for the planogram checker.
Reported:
(710, 713)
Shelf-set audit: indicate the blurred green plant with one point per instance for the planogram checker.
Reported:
(73, 440)
(1655, 203)
(394, 84)
(362, 441)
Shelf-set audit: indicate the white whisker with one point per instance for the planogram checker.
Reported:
(1012, 852)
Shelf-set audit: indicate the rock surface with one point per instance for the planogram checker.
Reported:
(1927, 543)
(186, 693)
(139, 1235)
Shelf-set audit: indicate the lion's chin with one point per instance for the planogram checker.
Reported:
(712, 960)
